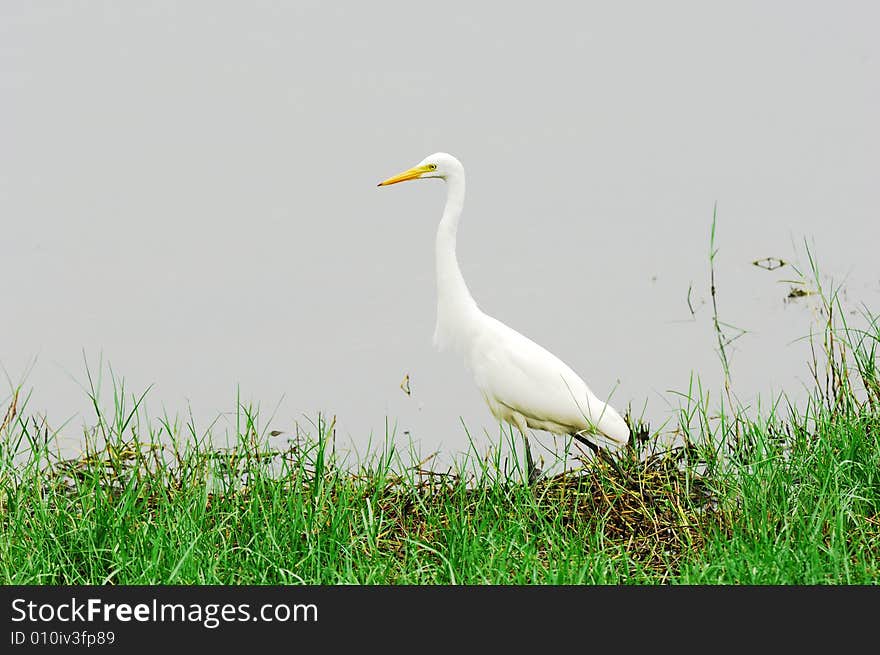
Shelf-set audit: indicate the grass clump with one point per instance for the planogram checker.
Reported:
(128, 513)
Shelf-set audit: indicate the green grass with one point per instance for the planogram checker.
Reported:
(791, 497)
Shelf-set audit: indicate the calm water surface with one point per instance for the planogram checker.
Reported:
(193, 200)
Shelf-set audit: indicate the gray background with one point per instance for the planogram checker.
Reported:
(188, 191)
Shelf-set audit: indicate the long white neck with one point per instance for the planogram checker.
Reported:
(455, 306)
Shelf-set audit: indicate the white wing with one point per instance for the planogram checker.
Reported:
(514, 371)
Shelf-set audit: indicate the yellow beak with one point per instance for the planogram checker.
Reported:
(411, 174)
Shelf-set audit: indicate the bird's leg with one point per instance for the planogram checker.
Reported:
(599, 452)
(534, 472)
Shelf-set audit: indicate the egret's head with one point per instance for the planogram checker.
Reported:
(437, 165)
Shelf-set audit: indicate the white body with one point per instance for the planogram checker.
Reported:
(523, 384)
(527, 386)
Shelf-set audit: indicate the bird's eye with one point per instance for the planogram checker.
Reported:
(433, 167)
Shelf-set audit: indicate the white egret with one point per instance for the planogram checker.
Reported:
(523, 384)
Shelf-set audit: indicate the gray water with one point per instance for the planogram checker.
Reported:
(188, 192)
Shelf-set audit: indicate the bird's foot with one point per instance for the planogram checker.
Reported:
(601, 453)
(535, 475)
